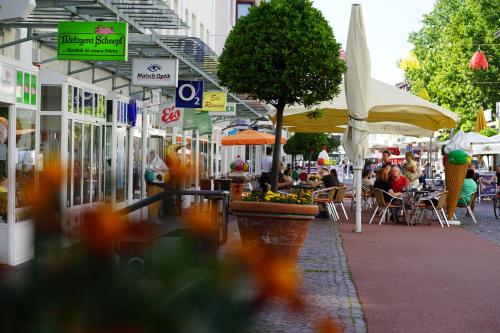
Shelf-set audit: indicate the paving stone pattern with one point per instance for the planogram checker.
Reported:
(487, 226)
(327, 284)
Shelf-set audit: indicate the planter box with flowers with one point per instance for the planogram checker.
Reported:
(277, 221)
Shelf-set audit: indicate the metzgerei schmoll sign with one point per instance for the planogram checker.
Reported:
(92, 41)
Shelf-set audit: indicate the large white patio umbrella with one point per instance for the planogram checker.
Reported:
(382, 127)
(387, 104)
(357, 90)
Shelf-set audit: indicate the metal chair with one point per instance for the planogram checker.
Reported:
(468, 205)
(427, 203)
(367, 197)
(385, 206)
(338, 200)
(327, 200)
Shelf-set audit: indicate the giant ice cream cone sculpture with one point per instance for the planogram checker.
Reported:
(456, 161)
(454, 179)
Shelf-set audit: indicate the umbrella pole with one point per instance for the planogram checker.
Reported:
(357, 169)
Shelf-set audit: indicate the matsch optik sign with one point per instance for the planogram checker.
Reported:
(171, 115)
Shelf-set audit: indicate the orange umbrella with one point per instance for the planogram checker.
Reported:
(250, 137)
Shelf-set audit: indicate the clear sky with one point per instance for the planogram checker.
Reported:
(387, 24)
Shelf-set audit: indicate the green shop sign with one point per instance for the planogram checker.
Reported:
(92, 41)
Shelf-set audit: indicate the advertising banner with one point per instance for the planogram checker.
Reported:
(171, 116)
(214, 101)
(96, 41)
(487, 183)
(230, 111)
(189, 94)
(7, 84)
(204, 123)
(154, 72)
(190, 119)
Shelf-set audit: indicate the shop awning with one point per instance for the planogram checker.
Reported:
(149, 22)
(249, 137)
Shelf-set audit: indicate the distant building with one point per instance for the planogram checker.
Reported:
(403, 85)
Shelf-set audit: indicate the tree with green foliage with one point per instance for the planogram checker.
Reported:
(283, 52)
(307, 144)
(488, 131)
(450, 35)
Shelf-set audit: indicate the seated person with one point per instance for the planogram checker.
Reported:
(296, 172)
(303, 176)
(331, 179)
(384, 183)
(366, 179)
(468, 188)
(398, 183)
(285, 179)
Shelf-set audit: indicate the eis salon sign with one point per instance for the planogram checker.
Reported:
(92, 41)
(154, 72)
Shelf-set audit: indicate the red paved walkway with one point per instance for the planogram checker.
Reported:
(424, 278)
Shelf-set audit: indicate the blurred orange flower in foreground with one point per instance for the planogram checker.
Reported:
(327, 325)
(101, 230)
(275, 277)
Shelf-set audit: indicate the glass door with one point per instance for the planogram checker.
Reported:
(96, 163)
(25, 159)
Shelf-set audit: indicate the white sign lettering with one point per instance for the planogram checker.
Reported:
(154, 72)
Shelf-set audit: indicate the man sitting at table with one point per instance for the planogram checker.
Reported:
(331, 179)
(398, 183)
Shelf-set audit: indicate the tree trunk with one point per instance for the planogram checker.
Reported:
(277, 148)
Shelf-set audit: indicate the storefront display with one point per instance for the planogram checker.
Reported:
(18, 158)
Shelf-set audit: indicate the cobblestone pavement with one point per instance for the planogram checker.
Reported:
(327, 283)
(487, 226)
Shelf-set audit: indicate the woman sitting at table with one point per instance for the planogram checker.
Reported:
(285, 179)
(468, 187)
(366, 178)
(384, 183)
(411, 170)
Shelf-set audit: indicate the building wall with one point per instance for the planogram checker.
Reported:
(199, 16)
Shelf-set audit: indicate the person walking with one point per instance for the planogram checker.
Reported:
(411, 170)
(266, 166)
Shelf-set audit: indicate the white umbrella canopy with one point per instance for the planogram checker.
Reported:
(357, 85)
(386, 103)
(383, 127)
(495, 138)
(475, 138)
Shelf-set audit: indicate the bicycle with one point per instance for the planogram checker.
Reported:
(496, 204)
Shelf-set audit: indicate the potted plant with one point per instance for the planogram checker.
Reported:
(276, 221)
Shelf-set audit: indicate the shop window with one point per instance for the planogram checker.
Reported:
(70, 150)
(107, 163)
(88, 103)
(70, 98)
(25, 148)
(51, 98)
(50, 138)
(86, 162)
(81, 97)
(4, 124)
(109, 111)
(137, 172)
(77, 164)
(96, 162)
(75, 97)
(121, 164)
(242, 8)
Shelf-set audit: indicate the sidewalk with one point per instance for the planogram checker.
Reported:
(425, 278)
(328, 286)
